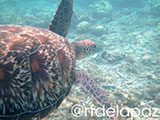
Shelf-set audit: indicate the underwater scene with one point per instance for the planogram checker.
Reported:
(125, 63)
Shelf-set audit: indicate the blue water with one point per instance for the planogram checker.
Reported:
(127, 34)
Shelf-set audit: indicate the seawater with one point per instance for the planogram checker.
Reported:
(127, 34)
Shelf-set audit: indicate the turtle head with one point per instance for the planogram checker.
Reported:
(83, 48)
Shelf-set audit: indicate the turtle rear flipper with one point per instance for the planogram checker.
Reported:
(61, 21)
(90, 85)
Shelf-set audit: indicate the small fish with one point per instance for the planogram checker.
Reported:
(109, 86)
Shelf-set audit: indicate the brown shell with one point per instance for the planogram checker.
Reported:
(37, 69)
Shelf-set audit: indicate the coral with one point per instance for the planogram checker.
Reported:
(80, 16)
(83, 27)
(101, 9)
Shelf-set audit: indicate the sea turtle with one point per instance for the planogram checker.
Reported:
(37, 68)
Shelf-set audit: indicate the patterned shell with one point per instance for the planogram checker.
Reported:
(37, 69)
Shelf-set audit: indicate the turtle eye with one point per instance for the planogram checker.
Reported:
(93, 46)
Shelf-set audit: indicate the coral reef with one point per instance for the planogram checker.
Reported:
(31, 13)
(127, 62)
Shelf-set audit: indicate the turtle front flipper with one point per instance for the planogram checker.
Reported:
(38, 118)
(90, 85)
(61, 21)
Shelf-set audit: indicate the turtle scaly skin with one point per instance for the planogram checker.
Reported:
(61, 21)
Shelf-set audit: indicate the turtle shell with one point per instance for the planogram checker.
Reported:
(37, 69)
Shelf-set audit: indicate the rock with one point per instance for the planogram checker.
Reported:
(103, 54)
(132, 102)
(119, 95)
(150, 76)
(112, 57)
(69, 105)
(132, 69)
(157, 73)
(98, 30)
(129, 59)
(146, 59)
(153, 90)
(157, 100)
(158, 60)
